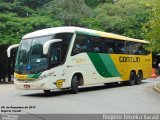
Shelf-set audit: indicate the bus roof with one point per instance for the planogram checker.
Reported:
(70, 29)
(49, 31)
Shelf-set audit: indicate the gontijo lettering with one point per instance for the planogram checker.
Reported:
(129, 59)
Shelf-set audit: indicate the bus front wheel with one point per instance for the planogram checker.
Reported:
(48, 92)
(132, 79)
(74, 85)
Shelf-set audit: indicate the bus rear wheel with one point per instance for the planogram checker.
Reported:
(139, 78)
(74, 85)
(132, 79)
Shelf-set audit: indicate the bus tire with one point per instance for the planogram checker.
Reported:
(108, 84)
(139, 78)
(132, 79)
(48, 92)
(74, 85)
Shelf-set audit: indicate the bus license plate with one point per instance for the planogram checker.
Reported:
(26, 86)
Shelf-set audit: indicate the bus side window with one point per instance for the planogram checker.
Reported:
(144, 49)
(134, 48)
(80, 45)
(76, 49)
(109, 45)
(138, 49)
(128, 48)
(121, 47)
(55, 54)
(96, 45)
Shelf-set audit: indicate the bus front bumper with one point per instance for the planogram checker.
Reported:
(36, 85)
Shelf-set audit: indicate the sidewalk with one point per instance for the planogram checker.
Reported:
(6, 81)
(11, 82)
(157, 86)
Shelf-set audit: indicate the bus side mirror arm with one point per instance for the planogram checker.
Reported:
(10, 49)
(47, 45)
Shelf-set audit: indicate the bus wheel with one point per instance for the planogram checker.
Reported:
(139, 78)
(74, 85)
(108, 84)
(48, 92)
(132, 79)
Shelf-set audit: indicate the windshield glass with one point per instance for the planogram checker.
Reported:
(30, 55)
(23, 54)
(30, 58)
(37, 59)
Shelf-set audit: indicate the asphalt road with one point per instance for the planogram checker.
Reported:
(100, 99)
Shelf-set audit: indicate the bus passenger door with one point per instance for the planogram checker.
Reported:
(55, 55)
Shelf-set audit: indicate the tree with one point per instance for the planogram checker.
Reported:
(69, 11)
(125, 17)
(33, 4)
(17, 20)
(152, 27)
(7, 1)
(95, 3)
(92, 3)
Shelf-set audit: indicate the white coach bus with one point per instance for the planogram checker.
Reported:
(69, 57)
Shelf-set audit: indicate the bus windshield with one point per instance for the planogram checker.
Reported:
(30, 55)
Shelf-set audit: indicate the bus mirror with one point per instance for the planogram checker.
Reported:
(47, 45)
(10, 49)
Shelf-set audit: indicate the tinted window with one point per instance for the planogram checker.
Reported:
(55, 55)
(96, 45)
(144, 49)
(82, 44)
(121, 49)
(135, 48)
(131, 48)
(66, 39)
(109, 45)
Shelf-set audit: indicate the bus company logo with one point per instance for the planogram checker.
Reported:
(129, 59)
(59, 83)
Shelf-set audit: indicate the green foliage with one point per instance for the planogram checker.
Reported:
(152, 27)
(16, 21)
(126, 17)
(95, 3)
(9, 25)
(21, 11)
(132, 18)
(69, 11)
(13, 27)
(33, 4)
(92, 3)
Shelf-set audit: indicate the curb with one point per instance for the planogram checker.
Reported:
(157, 87)
(3, 83)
